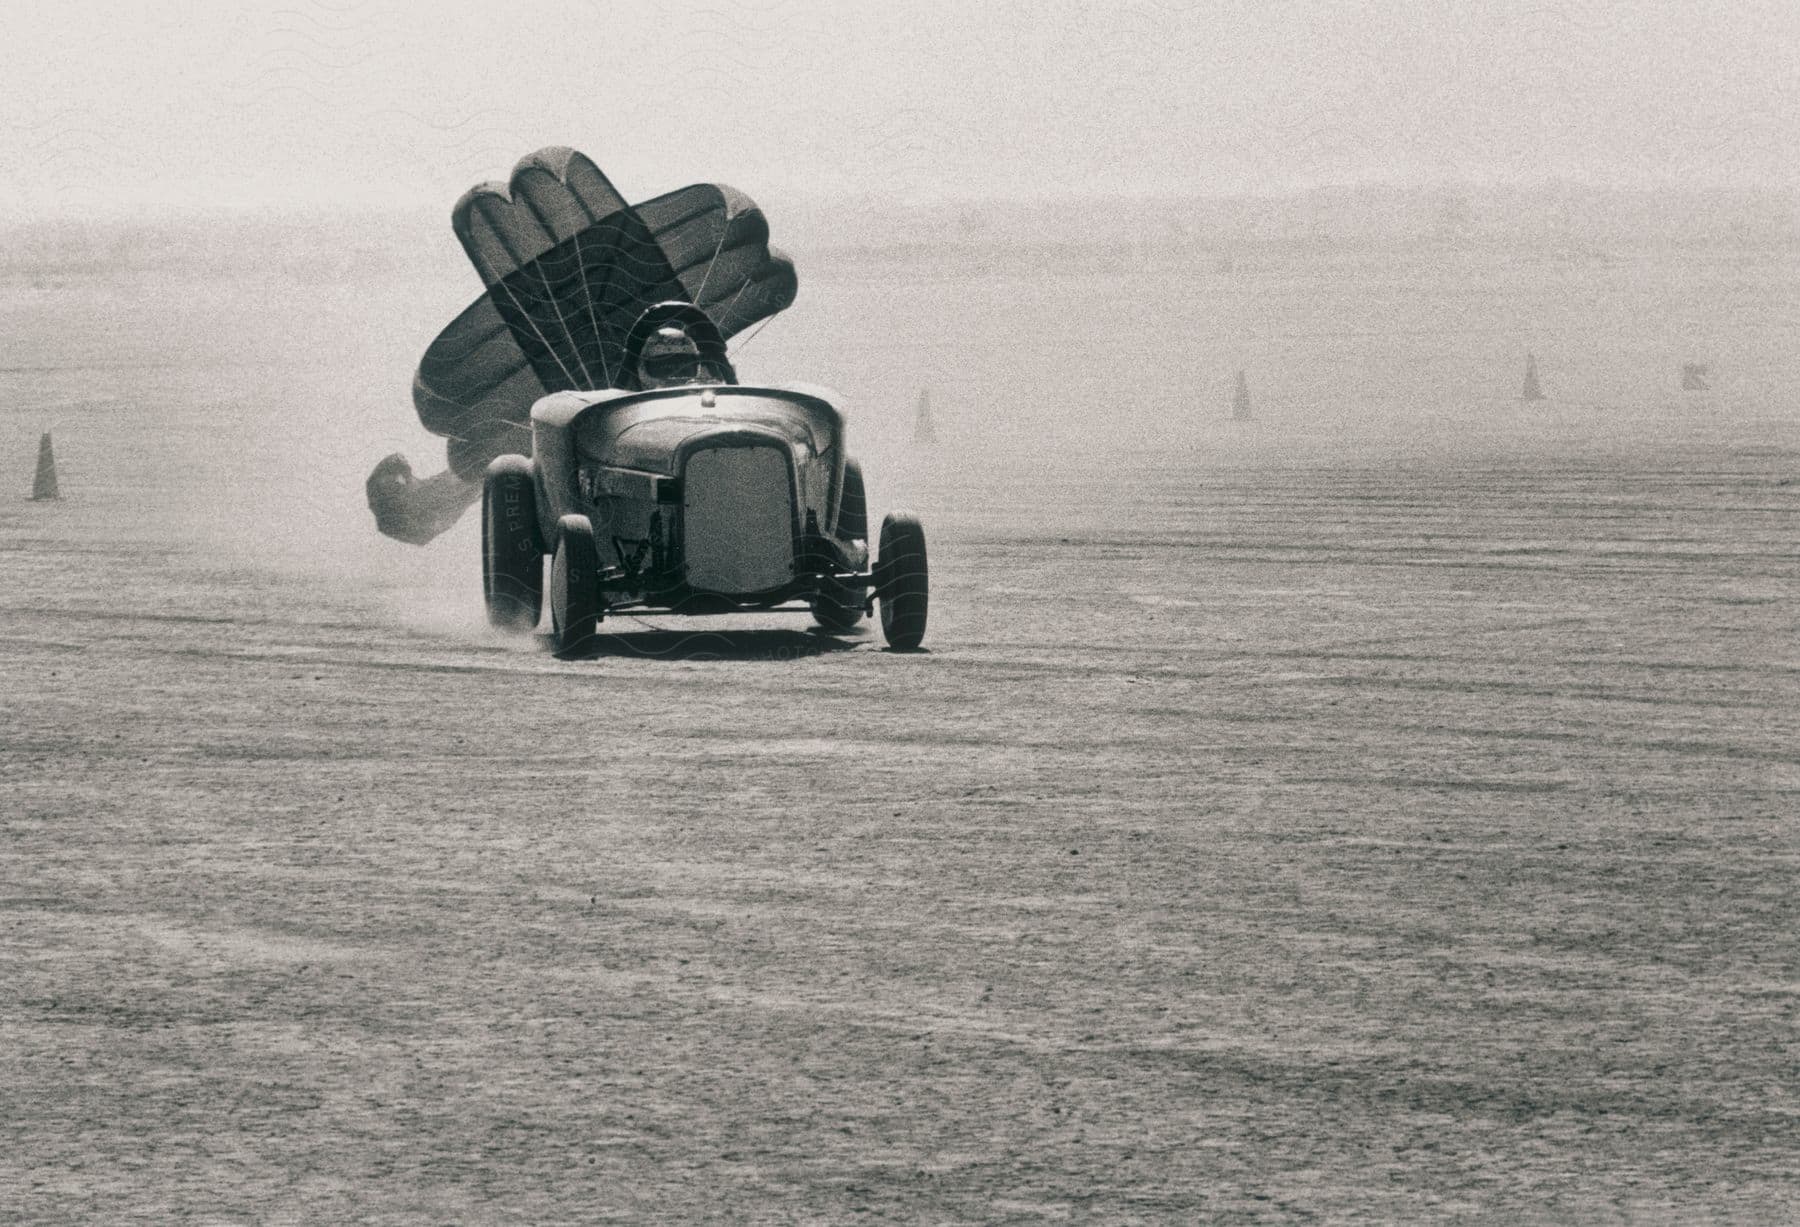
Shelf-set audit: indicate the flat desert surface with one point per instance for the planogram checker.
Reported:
(1387, 809)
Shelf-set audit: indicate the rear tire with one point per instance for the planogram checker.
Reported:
(905, 592)
(512, 556)
(574, 587)
(853, 505)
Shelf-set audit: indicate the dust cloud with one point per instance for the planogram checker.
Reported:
(236, 389)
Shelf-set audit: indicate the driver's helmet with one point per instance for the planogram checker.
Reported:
(669, 357)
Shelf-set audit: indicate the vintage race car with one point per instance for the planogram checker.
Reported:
(654, 481)
(697, 499)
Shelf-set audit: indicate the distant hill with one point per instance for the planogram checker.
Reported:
(969, 236)
(1547, 215)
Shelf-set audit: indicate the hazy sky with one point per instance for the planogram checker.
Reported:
(110, 104)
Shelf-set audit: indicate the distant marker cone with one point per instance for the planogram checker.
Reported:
(923, 431)
(1240, 400)
(1531, 391)
(1693, 377)
(43, 487)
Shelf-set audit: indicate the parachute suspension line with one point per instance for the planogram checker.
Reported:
(563, 324)
(582, 203)
(456, 438)
(700, 294)
(725, 313)
(520, 308)
(587, 295)
(753, 332)
(513, 253)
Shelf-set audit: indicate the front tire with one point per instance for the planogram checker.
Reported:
(905, 591)
(512, 556)
(574, 587)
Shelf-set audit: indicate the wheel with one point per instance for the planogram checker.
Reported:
(905, 591)
(512, 557)
(837, 609)
(853, 505)
(574, 586)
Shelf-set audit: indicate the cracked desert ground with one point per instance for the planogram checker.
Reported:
(1384, 810)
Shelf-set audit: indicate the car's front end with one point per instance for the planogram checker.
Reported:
(702, 499)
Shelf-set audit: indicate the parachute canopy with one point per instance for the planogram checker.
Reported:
(570, 268)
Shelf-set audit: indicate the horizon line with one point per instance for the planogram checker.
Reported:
(16, 212)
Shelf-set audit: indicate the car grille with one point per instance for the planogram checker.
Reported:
(738, 520)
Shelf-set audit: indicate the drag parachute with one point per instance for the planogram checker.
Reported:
(570, 267)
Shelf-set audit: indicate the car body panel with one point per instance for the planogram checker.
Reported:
(718, 493)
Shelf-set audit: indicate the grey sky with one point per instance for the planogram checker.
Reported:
(112, 104)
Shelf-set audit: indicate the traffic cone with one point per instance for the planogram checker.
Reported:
(1531, 391)
(1240, 400)
(43, 487)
